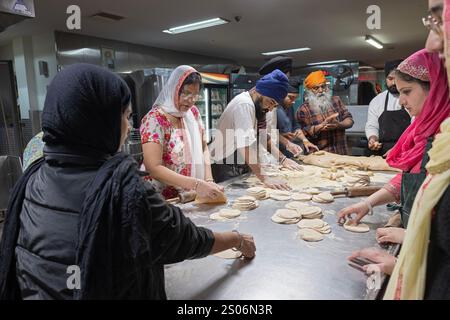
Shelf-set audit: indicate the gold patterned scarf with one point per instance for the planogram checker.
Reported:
(409, 276)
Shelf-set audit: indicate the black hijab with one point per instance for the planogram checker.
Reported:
(83, 109)
(82, 116)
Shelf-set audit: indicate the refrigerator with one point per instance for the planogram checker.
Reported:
(214, 100)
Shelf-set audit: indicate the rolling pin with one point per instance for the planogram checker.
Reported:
(183, 197)
(356, 191)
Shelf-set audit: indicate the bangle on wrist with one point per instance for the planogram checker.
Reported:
(241, 241)
(283, 159)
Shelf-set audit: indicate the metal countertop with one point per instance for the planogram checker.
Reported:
(284, 267)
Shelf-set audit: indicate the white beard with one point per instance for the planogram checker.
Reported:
(320, 103)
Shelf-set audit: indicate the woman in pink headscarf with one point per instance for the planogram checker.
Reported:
(422, 83)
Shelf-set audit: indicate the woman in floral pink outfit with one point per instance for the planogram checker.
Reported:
(173, 139)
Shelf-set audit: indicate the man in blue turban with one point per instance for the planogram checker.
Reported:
(237, 145)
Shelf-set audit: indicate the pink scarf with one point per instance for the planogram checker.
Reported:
(409, 149)
(446, 27)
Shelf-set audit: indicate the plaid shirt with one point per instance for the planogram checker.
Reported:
(332, 141)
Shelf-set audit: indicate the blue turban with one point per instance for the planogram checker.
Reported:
(273, 85)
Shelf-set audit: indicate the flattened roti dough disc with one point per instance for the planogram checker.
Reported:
(359, 228)
(310, 235)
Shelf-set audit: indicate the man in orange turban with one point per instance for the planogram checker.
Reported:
(314, 79)
(322, 117)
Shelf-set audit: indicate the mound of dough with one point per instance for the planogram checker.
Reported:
(310, 235)
(360, 228)
(363, 173)
(327, 160)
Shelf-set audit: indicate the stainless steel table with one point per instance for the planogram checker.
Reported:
(284, 267)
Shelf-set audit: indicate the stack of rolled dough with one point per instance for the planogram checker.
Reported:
(245, 203)
(286, 216)
(323, 197)
(313, 230)
(258, 193)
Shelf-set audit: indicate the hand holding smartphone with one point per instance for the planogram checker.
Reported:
(359, 262)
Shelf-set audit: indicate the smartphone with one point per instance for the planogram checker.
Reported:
(359, 262)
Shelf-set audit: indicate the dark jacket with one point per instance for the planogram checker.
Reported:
(49, 232)
(81, 223)
(438, 265)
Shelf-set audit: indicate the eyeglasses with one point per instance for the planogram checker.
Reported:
(324, 87)
(432, 23)
(190, 96)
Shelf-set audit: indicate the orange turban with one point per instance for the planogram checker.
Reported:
(314, 79)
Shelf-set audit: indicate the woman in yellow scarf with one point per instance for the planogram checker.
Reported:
(426, 243)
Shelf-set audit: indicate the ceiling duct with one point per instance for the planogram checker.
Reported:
(108, 16)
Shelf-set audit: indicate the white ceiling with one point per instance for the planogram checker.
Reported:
(334, 29)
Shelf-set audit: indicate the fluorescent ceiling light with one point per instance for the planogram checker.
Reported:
(285, 51)
(197, 25)
(326, 62)
(377, 44)
(366, 67)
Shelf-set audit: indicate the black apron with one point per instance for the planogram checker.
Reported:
(391, 124)
(411, 183)
(224, 171)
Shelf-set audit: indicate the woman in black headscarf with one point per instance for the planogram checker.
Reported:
(83, 212)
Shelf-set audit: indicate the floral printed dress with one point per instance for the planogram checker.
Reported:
(33, 151)
(157, 128)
